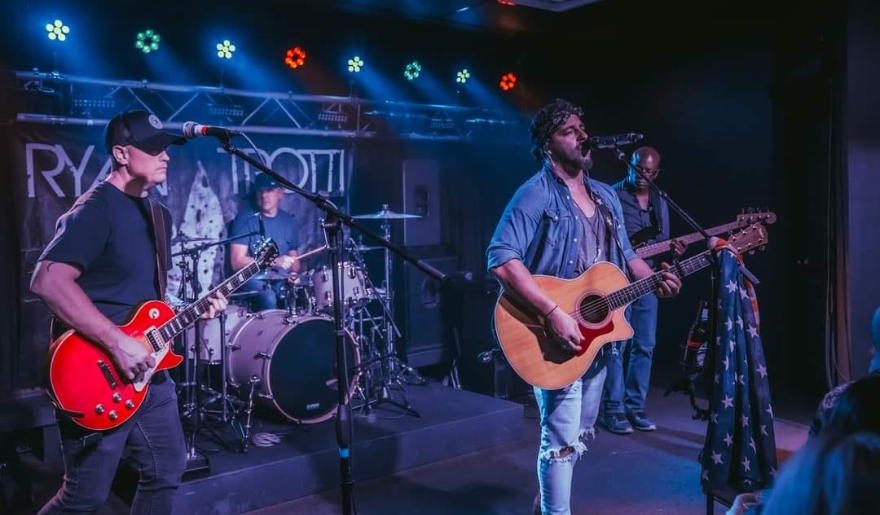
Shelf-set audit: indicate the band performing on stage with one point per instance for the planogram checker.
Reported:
(137, 369)
(439, 257)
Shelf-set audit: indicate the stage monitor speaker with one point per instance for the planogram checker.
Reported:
(417, 311)
(473, 298)
(421, 196)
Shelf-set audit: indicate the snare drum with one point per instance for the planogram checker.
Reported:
(353, 284)
(292, 361)
(209, 333)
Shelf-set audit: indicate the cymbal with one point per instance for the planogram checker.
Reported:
(242, 294)
(385, 214)
(364, 248)
(183, 238)
(273, 273)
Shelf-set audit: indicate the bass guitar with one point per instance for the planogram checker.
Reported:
(83, 381)
(743, 220)
(597, 300)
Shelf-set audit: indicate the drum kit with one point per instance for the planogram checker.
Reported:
(283, 360)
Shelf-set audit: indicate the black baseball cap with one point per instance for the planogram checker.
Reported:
(266, 182)
(141, 130)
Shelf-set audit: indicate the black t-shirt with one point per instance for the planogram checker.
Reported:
(109, 236)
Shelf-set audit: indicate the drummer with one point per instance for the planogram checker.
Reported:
(276, 224)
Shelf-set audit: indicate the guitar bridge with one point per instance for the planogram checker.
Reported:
(105, 371)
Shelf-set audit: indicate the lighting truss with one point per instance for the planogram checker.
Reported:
(80, 100)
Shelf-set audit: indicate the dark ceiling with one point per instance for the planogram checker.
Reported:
(514, 16)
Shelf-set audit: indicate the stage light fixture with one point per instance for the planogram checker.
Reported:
(295, 58)
(147, 41)
(225, 49)
(508, 81)
(57, 30)
(462, 76)
(412, 70)
(355, 64)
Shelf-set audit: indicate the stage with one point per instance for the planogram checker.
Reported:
(453, 423)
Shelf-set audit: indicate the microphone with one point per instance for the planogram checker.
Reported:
(192, 130)
(597, 142)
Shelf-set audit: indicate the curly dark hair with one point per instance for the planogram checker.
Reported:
(547, 121)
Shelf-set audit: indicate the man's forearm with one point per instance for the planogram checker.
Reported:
(67, 301)
(516, 279)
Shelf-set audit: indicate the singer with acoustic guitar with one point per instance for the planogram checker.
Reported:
(270, 221)
(561, 223)
(110, 254)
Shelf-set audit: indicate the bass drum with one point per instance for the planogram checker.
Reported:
(294, 360)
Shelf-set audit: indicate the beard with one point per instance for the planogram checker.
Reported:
(587, 163)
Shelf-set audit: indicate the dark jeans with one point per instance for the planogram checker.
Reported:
(628, 393)
(154, 437)
(266, 294)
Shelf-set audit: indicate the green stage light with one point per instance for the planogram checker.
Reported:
(57, 31)
(412, 70)
(463, 76)
(355, 64)
(147, 41)
(225, 49)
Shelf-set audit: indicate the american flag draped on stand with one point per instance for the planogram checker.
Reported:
(740, 447)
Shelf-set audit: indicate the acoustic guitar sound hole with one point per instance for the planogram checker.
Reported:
(593, 308)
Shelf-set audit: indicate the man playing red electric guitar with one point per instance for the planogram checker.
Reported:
(103, 262)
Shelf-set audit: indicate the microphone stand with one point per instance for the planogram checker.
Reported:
(333, 222)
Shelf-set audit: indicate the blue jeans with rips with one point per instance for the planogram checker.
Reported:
(627, 393)
(155, 438)
(568, 417)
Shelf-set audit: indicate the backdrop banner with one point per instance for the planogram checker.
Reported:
(52, 165)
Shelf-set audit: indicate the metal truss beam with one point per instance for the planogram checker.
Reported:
(73, 100)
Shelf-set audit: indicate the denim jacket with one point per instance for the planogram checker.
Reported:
(541, 224)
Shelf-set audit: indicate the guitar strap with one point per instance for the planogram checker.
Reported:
(160, 239)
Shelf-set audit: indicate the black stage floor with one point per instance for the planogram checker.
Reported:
(305, 462)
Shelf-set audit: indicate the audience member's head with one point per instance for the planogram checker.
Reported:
(857, 408)
(833, 474)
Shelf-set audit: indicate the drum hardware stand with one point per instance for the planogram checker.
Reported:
(334, 220)
(195, 461)
(249, 408)
(392, 367)
(193, 408)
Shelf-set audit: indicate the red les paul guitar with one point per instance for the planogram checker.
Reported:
(83, 380)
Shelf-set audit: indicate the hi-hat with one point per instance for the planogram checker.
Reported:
(183, 238)
(273, 273)
(385, 214)
(364, 248)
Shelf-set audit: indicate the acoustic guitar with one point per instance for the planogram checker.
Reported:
(597, 300)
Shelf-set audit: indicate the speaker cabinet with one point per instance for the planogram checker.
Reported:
(470, 304)
(421, 196)
(417, 310)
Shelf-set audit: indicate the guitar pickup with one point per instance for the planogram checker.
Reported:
(105, 370)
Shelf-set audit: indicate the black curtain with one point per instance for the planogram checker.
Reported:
(10, 292)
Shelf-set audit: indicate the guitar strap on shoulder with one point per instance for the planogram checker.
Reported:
(160, 239)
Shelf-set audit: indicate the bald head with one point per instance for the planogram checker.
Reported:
(644, 155)
(648, 159)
